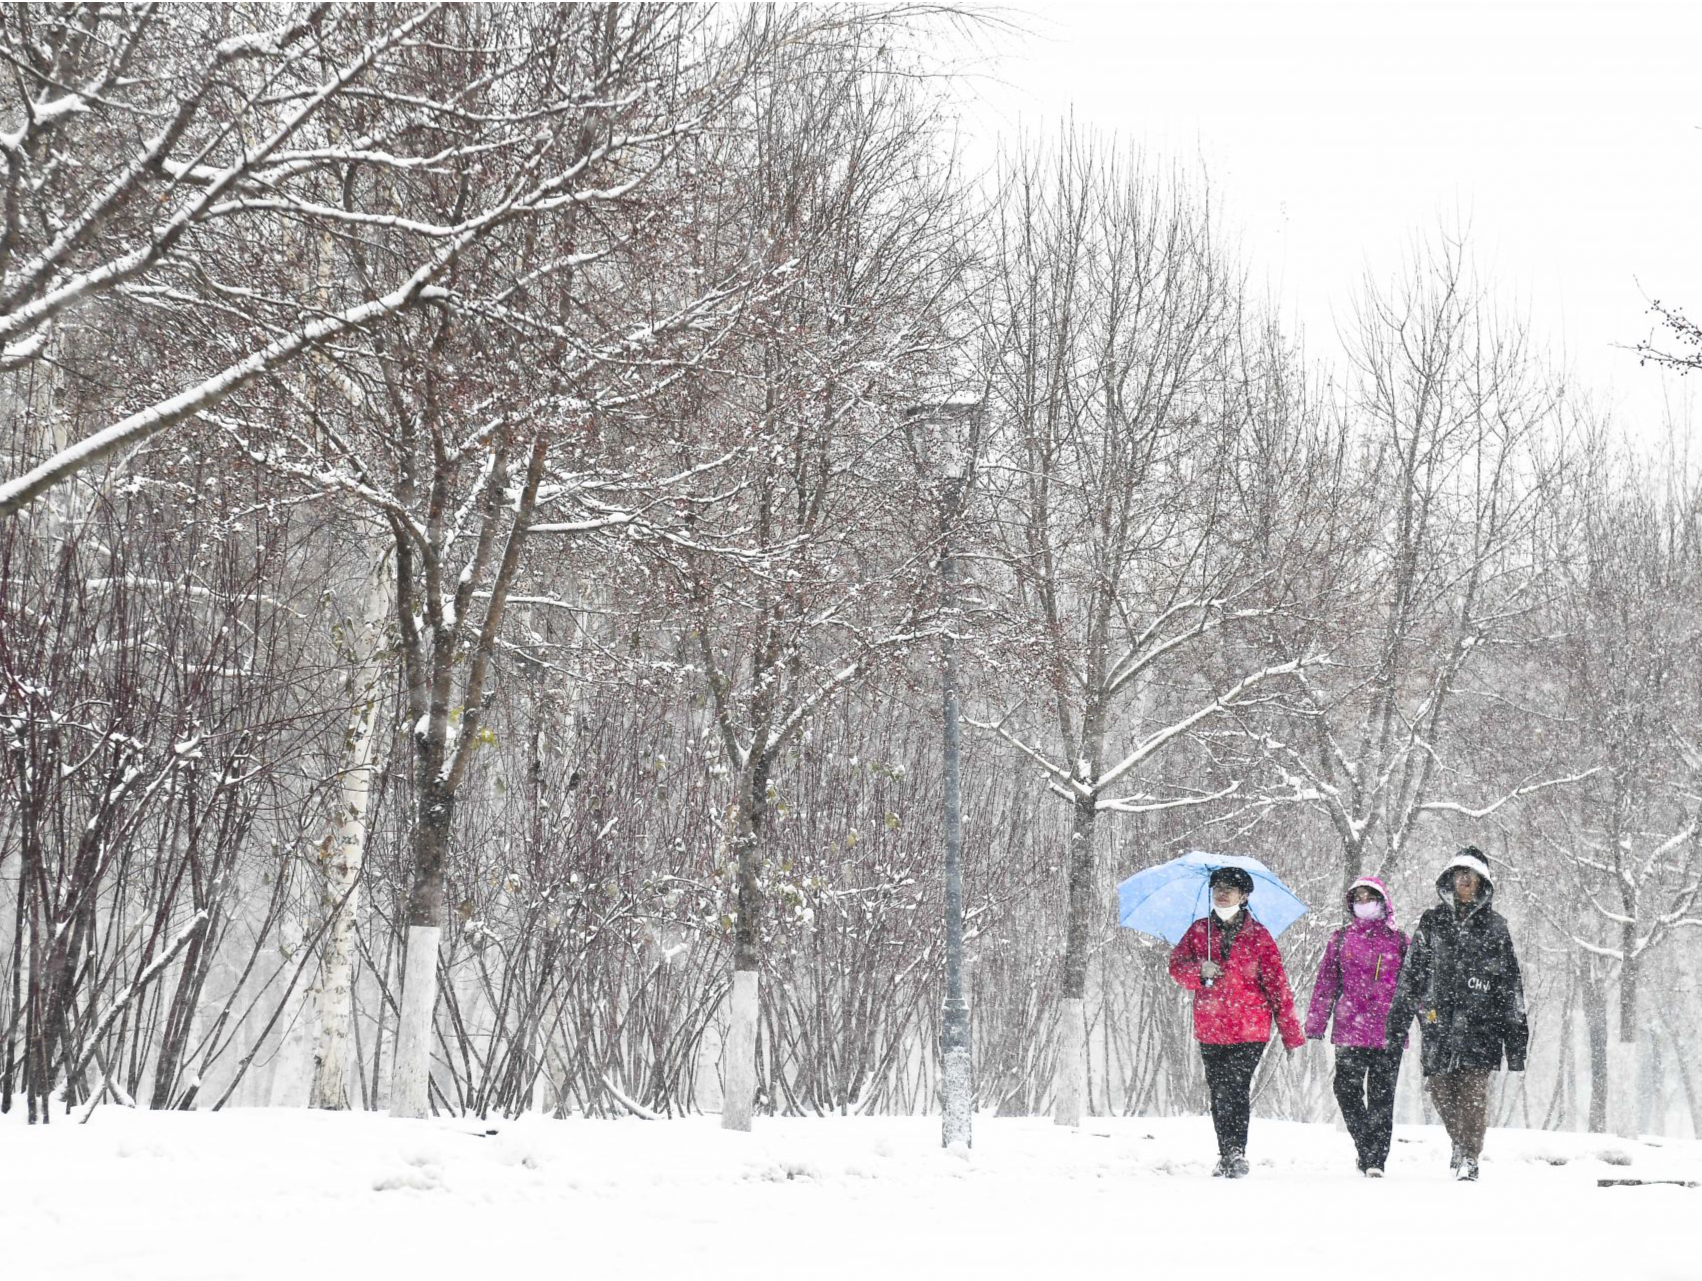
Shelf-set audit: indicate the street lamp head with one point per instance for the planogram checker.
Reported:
(945, 434)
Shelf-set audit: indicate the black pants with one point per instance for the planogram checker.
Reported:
(1365, 1088)
(1229, 1076)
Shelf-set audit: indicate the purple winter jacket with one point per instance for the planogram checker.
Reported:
(1356, 978)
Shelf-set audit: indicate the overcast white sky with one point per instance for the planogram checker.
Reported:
(1568, 136)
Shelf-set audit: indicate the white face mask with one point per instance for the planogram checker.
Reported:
(1226, 913)
(1372, 911)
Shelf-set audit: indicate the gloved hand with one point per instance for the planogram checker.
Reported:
(1209, 971)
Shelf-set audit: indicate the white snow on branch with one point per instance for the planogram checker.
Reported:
(1454, 807)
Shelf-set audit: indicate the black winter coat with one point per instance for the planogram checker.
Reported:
(1461, 979)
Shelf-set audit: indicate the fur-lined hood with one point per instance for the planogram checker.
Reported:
(1471, 857)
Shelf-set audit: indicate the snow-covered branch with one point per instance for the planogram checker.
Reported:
(1223, 702)
(1153, 804)
(1465, 811)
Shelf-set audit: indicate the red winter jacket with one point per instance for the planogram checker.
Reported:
(1238, 1007)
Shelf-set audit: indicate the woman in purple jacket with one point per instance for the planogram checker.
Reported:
(1356, 983)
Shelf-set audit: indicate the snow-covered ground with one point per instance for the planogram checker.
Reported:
(293, 1194)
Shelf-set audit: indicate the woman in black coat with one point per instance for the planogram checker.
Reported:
(1461, 979)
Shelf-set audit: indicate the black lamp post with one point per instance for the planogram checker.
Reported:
(951, 429)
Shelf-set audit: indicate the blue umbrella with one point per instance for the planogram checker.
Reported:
(1167, 899)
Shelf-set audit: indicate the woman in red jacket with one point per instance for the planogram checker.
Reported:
(1231, 964)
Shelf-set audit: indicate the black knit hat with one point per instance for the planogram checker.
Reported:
(1234, 876)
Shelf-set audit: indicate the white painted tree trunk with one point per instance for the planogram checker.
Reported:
(1651, 1112)
(1071, 1077)
(1681, 1037)
(1625, 1087)
(738, 1055)
(347, 852)
(410, 1082)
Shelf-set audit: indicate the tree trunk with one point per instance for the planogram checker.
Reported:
(1625, 1075)
(1353, 863)
(347, 854)
(1071, 1081)
(410, 1092)
(1652, 1112)
(738, 1058)
(1595, 1023)
(180, 1020)
(1685, 1060)
(8, 1074)
(1070, 1093)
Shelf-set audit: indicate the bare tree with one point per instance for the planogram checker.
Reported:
(154, 690)
(1623, 846)
(318, 121)
(96, 215)
(1115, 336)
(801, 576)
(1421, 566)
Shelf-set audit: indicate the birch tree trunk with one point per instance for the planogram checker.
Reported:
(347, 854)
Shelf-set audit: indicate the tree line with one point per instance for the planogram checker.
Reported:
(470, 524)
